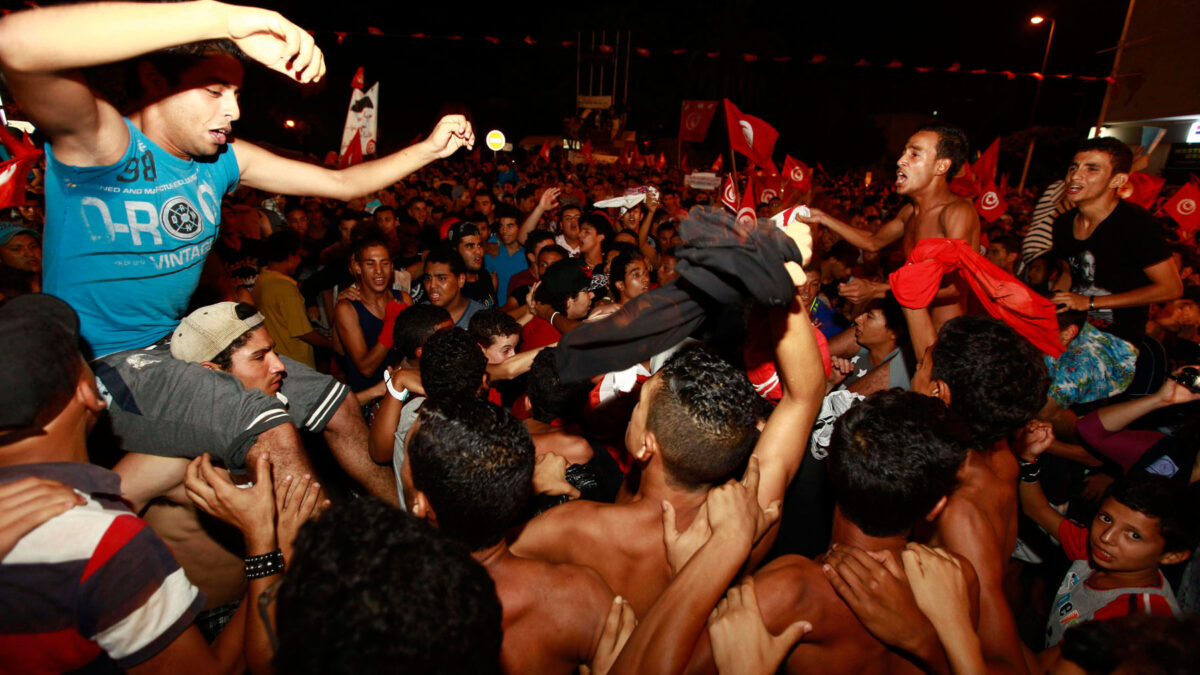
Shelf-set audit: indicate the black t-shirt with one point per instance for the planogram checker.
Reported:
(1113, 260)
(481, 289)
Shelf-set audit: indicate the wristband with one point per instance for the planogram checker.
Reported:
(264, 565)
(1091, 302)
(1030, 472)
(552, 318)
(401, 395)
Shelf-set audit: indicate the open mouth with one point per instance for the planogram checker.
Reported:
(220, 136)
(901, 177)
(1074, 189)
(1101, 556)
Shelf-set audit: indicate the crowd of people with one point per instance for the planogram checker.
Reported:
(436, 414)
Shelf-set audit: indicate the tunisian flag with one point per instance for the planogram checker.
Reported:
(772, 187)
(747, 215)
(984, 168)
(990, 204)
(729, 195)
(797, 173)
(1141, 189)
(751, 136)
(1182, 207)
(14, 173)
(694, 120)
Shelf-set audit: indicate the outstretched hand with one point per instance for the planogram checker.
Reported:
(275, 42)
(549, 198)
(741, 643)
(451, 133)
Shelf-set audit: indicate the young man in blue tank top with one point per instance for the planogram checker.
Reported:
(133, 204)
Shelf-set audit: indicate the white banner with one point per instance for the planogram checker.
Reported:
(362, 117)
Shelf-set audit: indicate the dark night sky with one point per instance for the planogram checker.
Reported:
(828, 112)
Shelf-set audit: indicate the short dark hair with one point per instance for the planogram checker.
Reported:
(406, 598)
(997, 380)
(474, 461)
(382, 208)
(549, 397)
(414, 326)
(446, 255)
(224, 360)
(1010, 243)
(952, 145)
(452, 365)
(507, 211)
(892, 457)
(533, 239)
(1119, 154)
(280, 246)
(893, 314)
(1162, 645)
(616, 269)
(459, 231)
(488, 324)
(371, 237)
(1163, 498)
(704, 417)
(600, 223)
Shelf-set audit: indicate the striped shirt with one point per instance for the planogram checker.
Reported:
(91, 583)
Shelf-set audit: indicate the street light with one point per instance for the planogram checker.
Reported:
(1037, 19)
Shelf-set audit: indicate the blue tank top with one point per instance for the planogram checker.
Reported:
(371, 326)
(125, 243)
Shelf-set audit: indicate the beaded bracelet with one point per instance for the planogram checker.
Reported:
(259, 566)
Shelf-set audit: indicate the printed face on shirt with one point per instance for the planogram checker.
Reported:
(198, 114)
(22, 252)
(256, 365)
(919, 164)
(470, 248)
(373, 269)
(502, 348)
(442, 284)
(1124, 540)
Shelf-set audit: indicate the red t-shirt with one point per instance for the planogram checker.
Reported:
(538, 333)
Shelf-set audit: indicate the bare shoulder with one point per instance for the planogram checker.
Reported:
(788, 589)
(960, 220)
(577, 522)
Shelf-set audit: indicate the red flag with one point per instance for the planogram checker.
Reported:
(772, 187)
(374, 31)
(662, 161)
(965, 184)
(817, 58)
(1141, 189)
(798, 173)
(1003, 185)
(357, 82)
(341, 36)
(14, 173)
(747, 215)
(492, 39)
(729, 195)
(529, 40)
(642, 51)
(750, 58)
(1182, 207)
(990, 204)
(716, 166)
(694, 120)
(605, 49)
(683, 166)
(751, 136)
(984, 168)
(586, 149)
(353, 153)
(544, 153)
(678, 52)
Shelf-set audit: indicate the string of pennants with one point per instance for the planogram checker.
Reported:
(647, 52)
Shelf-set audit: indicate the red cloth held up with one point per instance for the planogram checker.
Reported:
(1000, 293)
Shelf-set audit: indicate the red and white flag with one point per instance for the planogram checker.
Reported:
(694, 120)
(544, 153)
(990, 204)
(14, 173)
(751, 136)
(729, 195)
(1141, 189)
(747, 213)
(797, 173)
(359, 133)
(772, 187)
(984, 168)
(1182, 208)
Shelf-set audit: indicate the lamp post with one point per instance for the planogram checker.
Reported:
(1036, 20)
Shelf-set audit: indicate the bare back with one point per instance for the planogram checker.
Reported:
(622, 542)
(553, 614)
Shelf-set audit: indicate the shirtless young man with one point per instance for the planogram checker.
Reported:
(693, 428)
(931, 158)
(130, 281)
(468, 470)
(892, 463)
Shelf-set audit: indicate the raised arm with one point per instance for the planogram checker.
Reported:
(42, 49)
(272, 173)
(867, 241)
(547, 201)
